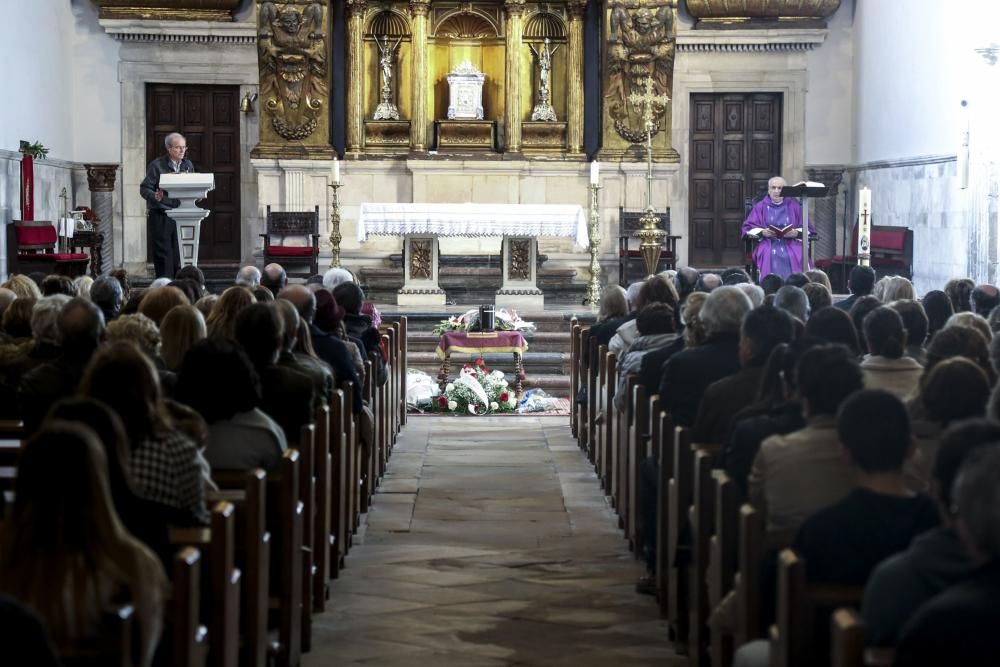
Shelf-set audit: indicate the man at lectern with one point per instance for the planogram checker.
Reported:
(163, 230)
(777, 222)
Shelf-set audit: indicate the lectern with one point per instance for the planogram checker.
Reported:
(805, 189)
(188, 188)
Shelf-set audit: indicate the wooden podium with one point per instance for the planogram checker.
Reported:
(804, 190)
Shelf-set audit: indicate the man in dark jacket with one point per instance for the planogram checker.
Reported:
(163, 230)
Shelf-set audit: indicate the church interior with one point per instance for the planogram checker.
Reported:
(724, 391)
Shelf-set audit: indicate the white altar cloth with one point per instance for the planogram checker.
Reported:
(473, 220)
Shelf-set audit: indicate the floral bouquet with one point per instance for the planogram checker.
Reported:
(506, 320)
(477, 391)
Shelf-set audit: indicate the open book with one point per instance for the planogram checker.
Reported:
(778, 231)
(806, 184)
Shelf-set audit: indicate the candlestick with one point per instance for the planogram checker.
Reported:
(336, 170)
(864, 226)
(335, 236)
(593, 296)
(595, 170)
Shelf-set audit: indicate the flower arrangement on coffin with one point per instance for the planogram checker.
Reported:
(477, 391)
(506, 320)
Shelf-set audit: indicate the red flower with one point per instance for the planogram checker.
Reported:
(504, 397)
(443, 401)
(480, 362)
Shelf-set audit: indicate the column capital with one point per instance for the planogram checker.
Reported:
(514, 7)
(357, 7)
(420, 7)
(101, 177)
(577, 9)
(829, 175)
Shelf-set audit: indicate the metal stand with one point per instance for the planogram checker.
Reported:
(650, 233)
(335, 237)
(593, 296)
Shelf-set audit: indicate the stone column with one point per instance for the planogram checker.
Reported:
(574, 70)
(101, 181)
(512, 108)
(824, 214)
(418, 74)
(355, 74)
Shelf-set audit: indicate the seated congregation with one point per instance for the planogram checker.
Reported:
(181, 473)
(810, 481)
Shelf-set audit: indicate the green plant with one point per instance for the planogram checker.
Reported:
(35, 150)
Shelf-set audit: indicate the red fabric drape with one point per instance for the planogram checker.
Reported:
(27, 188)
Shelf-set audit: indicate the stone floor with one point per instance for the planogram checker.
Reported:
(489, 543)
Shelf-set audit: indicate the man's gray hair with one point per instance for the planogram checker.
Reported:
(169, 140)
(45, 317)
(977, 499)
(754, 292)
(724, 310)
(107, 292)
(334, 277)
(794, 301)
(632, 293)
(248, 276)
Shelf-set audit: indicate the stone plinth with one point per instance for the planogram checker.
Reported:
(543, 137)
(465, 135)
(387, 136)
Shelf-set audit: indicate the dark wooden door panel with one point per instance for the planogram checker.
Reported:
(207, 117)
(735, 149)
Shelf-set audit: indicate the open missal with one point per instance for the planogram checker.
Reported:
(778, 231)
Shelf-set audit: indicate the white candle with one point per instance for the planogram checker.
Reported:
(595, 171)
(336, 170)
(864, 223)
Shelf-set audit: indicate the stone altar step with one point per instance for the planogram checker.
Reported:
(540, 341)
(548, 321)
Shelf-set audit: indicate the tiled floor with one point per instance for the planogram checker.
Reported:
(489, 543)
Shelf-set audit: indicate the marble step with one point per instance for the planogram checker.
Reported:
(540, 341)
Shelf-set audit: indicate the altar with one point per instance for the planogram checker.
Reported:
(519, 225)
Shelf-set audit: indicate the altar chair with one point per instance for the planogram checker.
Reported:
(32, 248)
(891, 255)
(628, 245)
(289, 225)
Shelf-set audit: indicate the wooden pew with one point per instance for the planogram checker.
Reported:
(647, 534)
(623, 421)
(847, 639)
(353, 465)
(635, 453)
(747, 583)
(189, 637)
(599, 394)
(678, 503)
(574, 377)
(366, 455)
(583, 414)
(322, 538)
(404, 364)
(608, 438)
(286, 517)
(723, 559)
(665, 460)
(701, 517)
(340, 508)
(593, 378)
(795, 635)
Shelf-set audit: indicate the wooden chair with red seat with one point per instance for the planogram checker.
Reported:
(281, 227)
(891, 250)
(31, 248)
(628, 244)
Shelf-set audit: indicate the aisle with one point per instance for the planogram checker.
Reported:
(489, 543)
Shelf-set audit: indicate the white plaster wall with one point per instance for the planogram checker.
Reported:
(907, 60)
(96, 92)
(829, 134)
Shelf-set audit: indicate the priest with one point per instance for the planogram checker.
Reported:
(777, 222)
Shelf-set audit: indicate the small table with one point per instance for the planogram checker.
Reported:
(472, 342)
(95, 242)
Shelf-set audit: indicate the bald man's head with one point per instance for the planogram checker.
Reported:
(303, 300)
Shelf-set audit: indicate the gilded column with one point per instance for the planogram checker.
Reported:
(574, 70)
(355, 73)
(418, 75)
(512, 107)
(101, 181)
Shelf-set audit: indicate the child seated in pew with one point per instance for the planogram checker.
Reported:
(63, 550)
(959, 626)
(935, 560)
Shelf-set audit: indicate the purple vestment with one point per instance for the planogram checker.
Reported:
(781, 256)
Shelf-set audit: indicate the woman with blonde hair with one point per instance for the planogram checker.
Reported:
(23, 286)
(158, 301)
(182, 327)
(64, 552)
(613, 303)
(694, 329)
(222, 320)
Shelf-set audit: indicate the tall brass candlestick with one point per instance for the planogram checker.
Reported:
(594, 231)
(335, 236)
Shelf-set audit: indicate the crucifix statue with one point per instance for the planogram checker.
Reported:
(650, 231)
(386, 109)
(543, 109)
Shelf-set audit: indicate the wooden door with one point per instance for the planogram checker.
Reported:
(735, 149)
(208, 117)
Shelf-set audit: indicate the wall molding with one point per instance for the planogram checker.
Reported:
(916, 161)
(182, 32)
(52, 161)
(750, 41)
